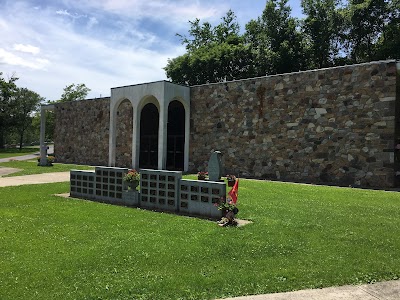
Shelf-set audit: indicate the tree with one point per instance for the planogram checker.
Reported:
(214, 54)
(388, 45)
(74, 92)
(218, 63)
(25, 102)
(366, 22)
(322, 26)
(276, 43)
(7, 91)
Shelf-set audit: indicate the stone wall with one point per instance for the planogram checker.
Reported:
(333, 126)
(124, 135)
(82, 131)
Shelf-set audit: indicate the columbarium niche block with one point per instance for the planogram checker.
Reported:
(109, 183)
(82, 184)
(159, 189)
(198, 197)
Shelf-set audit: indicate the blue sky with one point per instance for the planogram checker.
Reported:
(102, 43)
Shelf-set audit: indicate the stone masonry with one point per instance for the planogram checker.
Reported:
(336, 126)
(124, 135)
(81, 131)
(331, 126)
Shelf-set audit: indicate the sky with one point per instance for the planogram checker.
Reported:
(49, 44)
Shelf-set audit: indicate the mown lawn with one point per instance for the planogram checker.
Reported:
(301, 237)
(11, 152)
(29, 167)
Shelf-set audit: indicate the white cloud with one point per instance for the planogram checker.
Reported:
(3, 24)
(113, 45)
(170, 11)
(63, 12)
(92, 21)
(9, 58)
(26, 48)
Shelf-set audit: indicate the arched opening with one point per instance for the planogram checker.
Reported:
(176, 136)
(149, 119)
(124, 125)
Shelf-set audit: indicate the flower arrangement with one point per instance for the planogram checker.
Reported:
(202, 175)
(231, 177)
(231, 180)
(229, 211)
(227, 206)
(50, 160)
(132, 176)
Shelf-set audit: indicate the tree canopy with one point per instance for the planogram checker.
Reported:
(74, 92)
(332, 32)
(8, 89)
(17, 106)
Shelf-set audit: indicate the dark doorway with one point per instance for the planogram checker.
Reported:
(176, 136)
(148, 157)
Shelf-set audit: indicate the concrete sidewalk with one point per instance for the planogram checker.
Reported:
(22, 157)
(388, 290)
(34, 179)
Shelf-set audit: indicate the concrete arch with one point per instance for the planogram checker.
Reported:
(159, 93)
(146, 100)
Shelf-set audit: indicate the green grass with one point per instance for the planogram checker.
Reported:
(301, 237)
(11, 152)
(30, 167)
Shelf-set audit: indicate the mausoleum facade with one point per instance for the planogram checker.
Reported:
(335, 126)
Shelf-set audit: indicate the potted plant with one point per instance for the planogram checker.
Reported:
(132, 179)
(202, 175)
(229, 211)
(50, 160)
(231, 180)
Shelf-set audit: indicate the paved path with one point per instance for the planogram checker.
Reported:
(34, 179)
(22, 157)
(5, 171)
(28, 156)
(388, 290)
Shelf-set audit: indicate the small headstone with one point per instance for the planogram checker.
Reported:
(215, 166)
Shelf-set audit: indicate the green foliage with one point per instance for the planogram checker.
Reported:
(208, 64)
(279, 46)
(365, 24)
(132, 176)
(302, 237)
(322, 26)
(74, 92)
(388, 45)
(214, 54)
(17, 110)
(26, 101)
(332, 33)
(8, 89)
